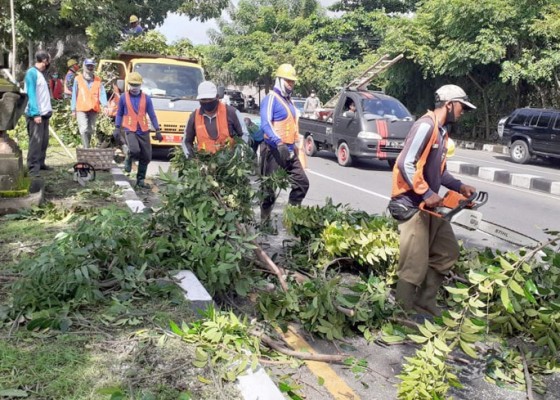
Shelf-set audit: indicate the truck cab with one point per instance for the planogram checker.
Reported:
(171, 82)
(375, 129)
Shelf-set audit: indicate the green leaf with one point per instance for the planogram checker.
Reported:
(418, 339)
(467, 348)
(392, 339)
(13, 393)
(516, 288)
(504, 296)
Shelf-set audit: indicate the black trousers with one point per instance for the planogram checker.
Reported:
(270, 163)
(139, 147)
(38, 142)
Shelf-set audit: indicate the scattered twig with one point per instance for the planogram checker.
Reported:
(528, 381)
(273, 344)
(346, 311)
(405, 322)
(274, 362)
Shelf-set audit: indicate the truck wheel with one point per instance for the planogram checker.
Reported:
(519, 152)
(309, 146)
(343, 155)
(391, 162)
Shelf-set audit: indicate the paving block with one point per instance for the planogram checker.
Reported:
(195, 293)
(522, 180)
(541, 184)
(555, 188)
(488, 147)
(136, 206)
(489, 173)
(502, 177)
(258, 386)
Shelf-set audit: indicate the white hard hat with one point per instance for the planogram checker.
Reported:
(207, 90)
(454, 93)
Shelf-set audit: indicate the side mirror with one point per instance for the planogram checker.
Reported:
(221, 92)
(120, 85)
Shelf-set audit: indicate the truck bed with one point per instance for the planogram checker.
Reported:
(321, 131)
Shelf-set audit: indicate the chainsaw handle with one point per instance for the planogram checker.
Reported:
(432, 211)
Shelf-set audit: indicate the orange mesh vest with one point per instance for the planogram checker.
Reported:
(205, 142)
(132, 120)
(113, 103)
(400, 185)
(287, 129)
(88, 98)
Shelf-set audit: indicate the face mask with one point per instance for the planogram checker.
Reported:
(312, 94)
(135, 90)
(47, 66)
(209, 107)
(55, 76)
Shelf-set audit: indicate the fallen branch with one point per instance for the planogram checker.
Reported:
(528, 381)
(346, 311)
(274, 345)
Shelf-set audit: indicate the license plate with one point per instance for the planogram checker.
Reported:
(172, 138)
(395, 144)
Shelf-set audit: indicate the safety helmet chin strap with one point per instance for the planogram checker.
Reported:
(280, 84)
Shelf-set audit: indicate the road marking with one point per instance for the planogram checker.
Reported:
(506, 186)
(523, 168)
(336, 386)
(348, 184)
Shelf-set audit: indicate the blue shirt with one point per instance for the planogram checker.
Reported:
(272, 110)
(135, 101)
(102, 94)
(39, 97)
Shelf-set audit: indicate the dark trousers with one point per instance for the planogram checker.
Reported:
(270, 163)
(38, 142)
(139, 148)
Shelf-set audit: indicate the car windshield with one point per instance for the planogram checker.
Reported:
(177, 81)
(385, 108)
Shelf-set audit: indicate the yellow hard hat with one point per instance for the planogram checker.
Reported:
(287, 71)
(450, 148)
(135, 78)
(71, 62)
(133, 18)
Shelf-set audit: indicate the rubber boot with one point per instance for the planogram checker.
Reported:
(141, 175)
(127, 165)
(405, 295)
(427, 293)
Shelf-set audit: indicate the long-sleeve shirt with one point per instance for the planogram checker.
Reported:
(311, 104)
(211, 124)
(102, 94)
(135, 102)
(424, 180)
(38, 93)
(272, 110)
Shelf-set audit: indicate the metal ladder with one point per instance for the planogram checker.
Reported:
(366, 77)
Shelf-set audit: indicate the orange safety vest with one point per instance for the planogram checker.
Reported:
(113, 102)
(88, 98)
(132, 120)
(287, 129)
(205, 142)
(400, 185)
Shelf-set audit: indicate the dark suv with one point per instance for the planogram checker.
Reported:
(531, 132)
(236, 99)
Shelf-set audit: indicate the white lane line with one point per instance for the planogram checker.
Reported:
(523, 169)
(348, 184)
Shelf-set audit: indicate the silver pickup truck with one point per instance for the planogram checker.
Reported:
(375, 129)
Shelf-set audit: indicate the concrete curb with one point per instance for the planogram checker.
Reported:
(253, 385)
(525, 181)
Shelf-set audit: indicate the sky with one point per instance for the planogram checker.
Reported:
(178, 26)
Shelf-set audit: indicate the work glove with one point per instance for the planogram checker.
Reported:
(117, 136)
(284, 153)
(159, 136)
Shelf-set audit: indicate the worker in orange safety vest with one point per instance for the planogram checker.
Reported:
(88, 98)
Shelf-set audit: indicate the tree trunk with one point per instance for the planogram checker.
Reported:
(486, 106)
(30, 52)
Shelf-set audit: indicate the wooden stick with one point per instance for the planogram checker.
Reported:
(274, 345)
(528, 381)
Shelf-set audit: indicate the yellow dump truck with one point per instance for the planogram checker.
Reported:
(171, 82)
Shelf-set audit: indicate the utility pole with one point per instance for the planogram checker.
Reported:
(14, 48)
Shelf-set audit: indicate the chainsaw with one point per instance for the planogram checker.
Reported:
(462, 211)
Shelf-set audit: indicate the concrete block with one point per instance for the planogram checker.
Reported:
(123, 183)
(489, 173)
(258, 386)
(555, 188)
(488, 147)
(541, 184)
(195, 293)
(522, 180)
(502, 177)
(469, 169)
(136, 206)
(454, 166)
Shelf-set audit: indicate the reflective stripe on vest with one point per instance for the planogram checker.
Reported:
(400, 185)
(287, 129)
(88, 98)
(203, 139)
(132, 120)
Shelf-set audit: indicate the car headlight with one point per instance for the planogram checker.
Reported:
(369, 135)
